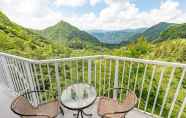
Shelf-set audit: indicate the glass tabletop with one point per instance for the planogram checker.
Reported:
(78, 96)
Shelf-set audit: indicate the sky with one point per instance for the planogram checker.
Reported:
(94, 14)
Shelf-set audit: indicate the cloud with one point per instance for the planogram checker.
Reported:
(72, 3)
(76, 3)
(30, 13)
(121, 14)
(118, 14)
(94, 2)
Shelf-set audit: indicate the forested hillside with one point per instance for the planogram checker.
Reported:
(154, 32)
(175, 31)
(20, 41)
(70, 35)
(117, 37)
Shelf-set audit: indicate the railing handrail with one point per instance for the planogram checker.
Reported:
(119, 68)
(146, 61)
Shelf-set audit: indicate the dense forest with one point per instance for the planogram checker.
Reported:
(164, 41)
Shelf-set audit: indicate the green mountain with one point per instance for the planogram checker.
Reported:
(18, 40)
(116, 37)
(174, 32)
(153, 33)
(64, 32)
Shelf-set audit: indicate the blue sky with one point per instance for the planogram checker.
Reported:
(94, 14)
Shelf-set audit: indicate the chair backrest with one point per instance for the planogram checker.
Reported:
(21, 106)
(130, 101)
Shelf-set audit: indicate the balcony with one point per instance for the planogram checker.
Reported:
(159, 86)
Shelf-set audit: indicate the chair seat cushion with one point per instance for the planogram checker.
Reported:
(107, 105)
(34, 117)
(114, 116)
(51, 109)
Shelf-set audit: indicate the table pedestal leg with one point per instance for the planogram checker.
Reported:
(82, 113)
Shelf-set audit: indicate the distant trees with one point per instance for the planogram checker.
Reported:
(174, 32)
(76, 43)
(138, 48)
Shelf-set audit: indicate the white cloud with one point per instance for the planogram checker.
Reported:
(30, 13)
(121, 14)
(72, 3)
(118, 14)
(76, 3)
(94, 2)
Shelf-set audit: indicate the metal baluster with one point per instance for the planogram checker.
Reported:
(130, 70)
(77, 71)
(14, 74)
(42, 80)
(11, 74)
(182, 108)
(150, 86)
(167, 90)
(89, 71)
(122, 80)
(37, 82)
(136, 78)
(177, 92)
(157, 92)
(100, 69)
(144, 76)
(110, 74)
(105, 67)
(115, 92)
(58, 80)
(83, 63)
(49, 76)
(64, 70)
(71, 71)
(95, 74)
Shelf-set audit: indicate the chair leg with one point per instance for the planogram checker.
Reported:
(62, 111)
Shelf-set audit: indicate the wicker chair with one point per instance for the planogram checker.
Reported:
(109, 108)
(24, 109)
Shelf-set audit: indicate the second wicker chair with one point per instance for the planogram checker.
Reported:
(109, 108)
(24, 109)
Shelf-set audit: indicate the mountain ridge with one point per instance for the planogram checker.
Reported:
(67, 33)
(18, 40)
(115, 37)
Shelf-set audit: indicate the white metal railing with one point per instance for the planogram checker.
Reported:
(160, 86)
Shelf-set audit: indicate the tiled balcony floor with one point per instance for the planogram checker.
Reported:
(6, 98)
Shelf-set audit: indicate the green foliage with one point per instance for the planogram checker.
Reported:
(154, 32)
(76, 43)
(117, 37)
(170, 50)
(21, 41)
(174, 32)
(66, 33)
(138, 48)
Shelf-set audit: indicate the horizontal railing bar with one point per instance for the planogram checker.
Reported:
(17, 57)
(162, 63)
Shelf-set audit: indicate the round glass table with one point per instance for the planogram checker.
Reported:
(79, 97)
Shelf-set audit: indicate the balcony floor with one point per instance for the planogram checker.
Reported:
(6, 98)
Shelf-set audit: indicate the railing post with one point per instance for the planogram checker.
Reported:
(89, 71)
(7, 73)
(115, 92)
(58, 80)
(31, 82)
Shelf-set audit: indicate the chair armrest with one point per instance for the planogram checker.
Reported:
(31, 115)
(113, 113)
(108, 90)
(44, 115)
(38, 91)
